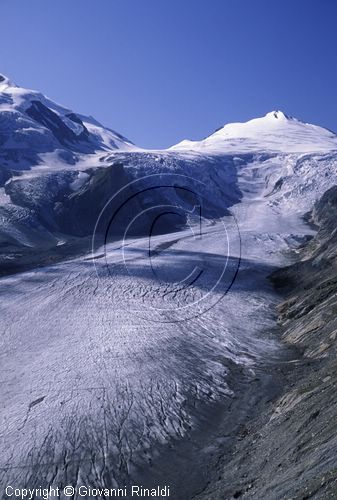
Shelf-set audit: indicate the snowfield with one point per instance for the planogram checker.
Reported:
(118, 365)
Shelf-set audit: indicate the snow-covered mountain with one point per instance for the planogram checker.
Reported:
(275, 132)
(43, 149)
(102, 368)
(59, 169)
(35, 130)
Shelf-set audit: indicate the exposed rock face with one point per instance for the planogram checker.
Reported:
(48, 118)
(290, 450)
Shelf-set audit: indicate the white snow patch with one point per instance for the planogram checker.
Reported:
(82, 177)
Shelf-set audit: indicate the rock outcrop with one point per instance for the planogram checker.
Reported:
(289, 450)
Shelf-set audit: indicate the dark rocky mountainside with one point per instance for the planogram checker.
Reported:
(289, 451)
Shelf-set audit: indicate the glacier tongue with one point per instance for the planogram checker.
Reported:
(93, 378)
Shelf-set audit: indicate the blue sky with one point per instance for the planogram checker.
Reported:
(159, 71)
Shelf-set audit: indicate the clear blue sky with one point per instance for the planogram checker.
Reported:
(159, 71)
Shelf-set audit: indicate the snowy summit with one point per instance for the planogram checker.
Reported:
(275, 131)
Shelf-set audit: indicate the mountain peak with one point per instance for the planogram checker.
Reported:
(5, 82)
(275, 131)
(277, 114)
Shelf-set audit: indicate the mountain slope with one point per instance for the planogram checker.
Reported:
(44, 148)
(289, 450)
(34, 130)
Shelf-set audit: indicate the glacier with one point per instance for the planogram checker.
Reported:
(134, 360)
